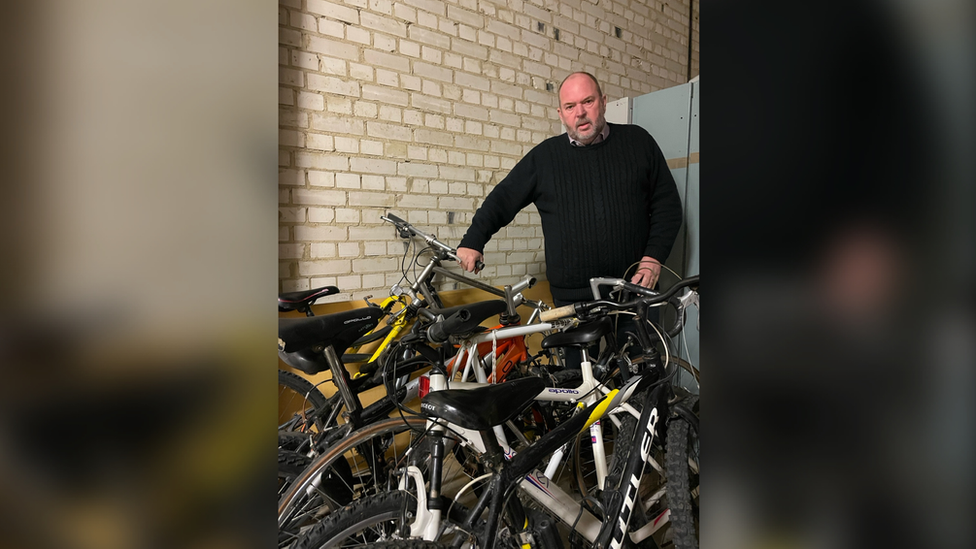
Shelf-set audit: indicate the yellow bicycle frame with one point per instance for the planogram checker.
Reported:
(398, 323)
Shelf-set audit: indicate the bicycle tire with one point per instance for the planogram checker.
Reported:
(302, 505)
(682, 483)
(366, 522)
(300, 403)
(409, 544)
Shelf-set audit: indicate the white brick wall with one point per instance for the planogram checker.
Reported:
(419, 107)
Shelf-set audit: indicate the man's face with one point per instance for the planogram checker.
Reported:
(581, 108)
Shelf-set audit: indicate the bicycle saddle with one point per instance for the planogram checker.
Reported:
(301, 301)
(302, 340)
(580, 336)
(484, 407)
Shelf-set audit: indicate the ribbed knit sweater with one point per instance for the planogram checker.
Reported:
(603, 207)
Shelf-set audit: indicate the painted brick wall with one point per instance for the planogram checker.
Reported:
(419, 107)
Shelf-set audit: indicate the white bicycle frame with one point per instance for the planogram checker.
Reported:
(537, 484)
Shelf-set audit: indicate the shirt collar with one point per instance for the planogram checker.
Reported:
(601, 137)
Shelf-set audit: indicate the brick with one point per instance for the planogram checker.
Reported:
(454, 203)
(333, 85)
(383, 24)
(286, 96)
(358, 35)
(371, 147)
(388, 131)
(348, 249)
(321, 215)
(426, 70)
(291, 215)
(386, 60)
(382, 233)
(334, 11)
(291, 77)
(429, 37)
(502, 29)
(433, 137)
(467, 33)
(321, 179)
(330, 65)
(427, 103)
(372, 183)
(290, 37)
(470, 18)
(318, 197)
(471, 81)
(370, 199)
(309, 233)
(321, 161)
(385, 95)
(373, 166)
(457, 174)
(289, 138)
(346, 215)
(333, 48)
(374, 264)
(414, 201)
(328, 267)
(335, 29)
(347, 181)
(291, 177)
(537, 69)
(311, 101)
(414, 169)
(346, 145)
(291, 251)
(500, 117)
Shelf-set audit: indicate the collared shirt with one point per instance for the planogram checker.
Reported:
(600, 137)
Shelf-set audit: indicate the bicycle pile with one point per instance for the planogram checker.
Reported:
(476, 442)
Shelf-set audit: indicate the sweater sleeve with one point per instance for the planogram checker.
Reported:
(664, 208)
(516, 191)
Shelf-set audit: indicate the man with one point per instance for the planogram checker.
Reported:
(605, 194)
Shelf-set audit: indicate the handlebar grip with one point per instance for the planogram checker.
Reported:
(479, 265)
(441, 331)
(395, 219)
(555, 314)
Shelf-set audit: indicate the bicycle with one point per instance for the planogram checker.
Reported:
(477, 427)
(315, 411)
(296, 452)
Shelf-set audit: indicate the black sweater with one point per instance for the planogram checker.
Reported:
(603, 207)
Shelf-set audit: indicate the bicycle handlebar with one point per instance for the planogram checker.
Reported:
(650, 297)
(440, 331)
(405, 227)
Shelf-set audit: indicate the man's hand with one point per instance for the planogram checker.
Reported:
(647, 272)
(468, 259)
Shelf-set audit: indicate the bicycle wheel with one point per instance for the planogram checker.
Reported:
(409, 544)
(659, 512)
(366, 522)
(355, 466)
(681, 470)
(300, 404)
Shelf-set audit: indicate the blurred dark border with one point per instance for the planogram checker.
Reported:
(838, 244)
(139, 267)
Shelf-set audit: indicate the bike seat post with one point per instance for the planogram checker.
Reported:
(340, 377)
